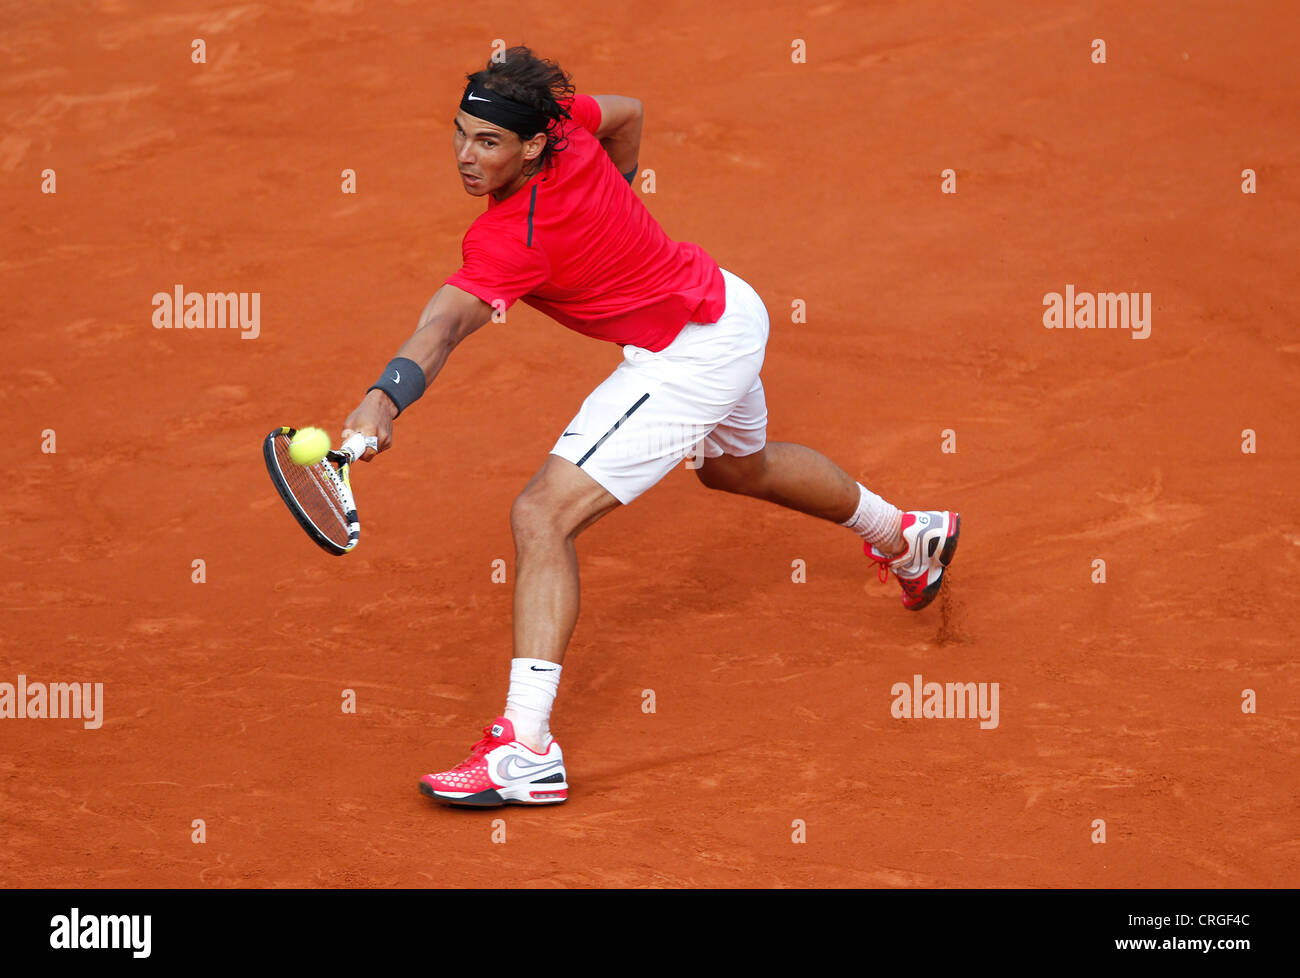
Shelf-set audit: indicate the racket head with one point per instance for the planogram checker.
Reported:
(319, 496)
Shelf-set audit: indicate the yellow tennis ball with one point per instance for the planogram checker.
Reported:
(309, 446)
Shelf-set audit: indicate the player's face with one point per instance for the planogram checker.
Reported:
(490, 159)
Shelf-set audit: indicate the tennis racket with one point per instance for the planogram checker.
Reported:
(319, 496)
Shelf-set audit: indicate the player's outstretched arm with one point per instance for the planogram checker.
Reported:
(450, 316)
(620, 131)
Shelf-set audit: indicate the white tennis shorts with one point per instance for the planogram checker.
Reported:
(700, 396)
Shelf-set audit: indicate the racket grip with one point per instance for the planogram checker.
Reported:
(357, 444)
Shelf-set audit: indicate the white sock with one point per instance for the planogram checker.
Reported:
(533, 685)
(877, 521)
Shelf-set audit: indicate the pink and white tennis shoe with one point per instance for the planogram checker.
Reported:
(500, 770)
(931, 537)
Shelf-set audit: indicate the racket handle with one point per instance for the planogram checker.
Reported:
(357, 444)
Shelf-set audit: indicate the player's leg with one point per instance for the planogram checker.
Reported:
(789, 475)
(558, 503)
(917, 545)
(518, 760)
(628, 434)
(736, 457)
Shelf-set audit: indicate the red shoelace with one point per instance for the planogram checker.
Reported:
(882, 566)
(478, 750)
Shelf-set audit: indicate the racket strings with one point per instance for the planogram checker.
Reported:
(315, 492)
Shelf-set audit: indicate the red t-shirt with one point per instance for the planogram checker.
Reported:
(576, 243)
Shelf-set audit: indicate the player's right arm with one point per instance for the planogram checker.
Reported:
(450, 316)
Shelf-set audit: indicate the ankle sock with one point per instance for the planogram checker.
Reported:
(533, 685)
(877, 522)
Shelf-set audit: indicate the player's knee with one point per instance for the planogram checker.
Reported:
(528, 517)
(712, 476)
(728, 473)
(532, 517)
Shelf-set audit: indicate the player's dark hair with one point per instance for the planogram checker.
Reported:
(522, 76)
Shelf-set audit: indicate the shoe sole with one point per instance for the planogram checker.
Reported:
(945, 558)
(493, 798)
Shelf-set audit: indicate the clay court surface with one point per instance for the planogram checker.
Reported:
(819, 181)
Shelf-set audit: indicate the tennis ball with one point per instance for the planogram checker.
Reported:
(309, 446)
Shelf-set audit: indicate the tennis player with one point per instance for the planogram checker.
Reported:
(564, 232)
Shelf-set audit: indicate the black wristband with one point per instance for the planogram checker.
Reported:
(402, 381)
(630, 175)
